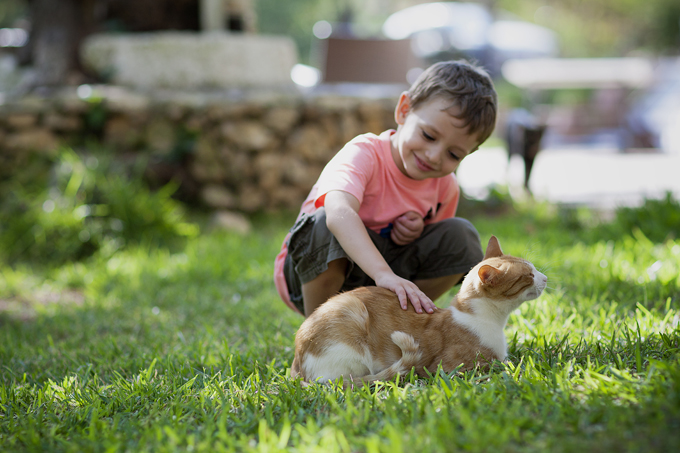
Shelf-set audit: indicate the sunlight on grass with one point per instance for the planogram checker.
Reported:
(150, 349)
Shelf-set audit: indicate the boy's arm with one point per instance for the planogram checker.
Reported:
(344, 222)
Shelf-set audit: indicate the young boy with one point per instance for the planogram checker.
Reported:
(382, 211)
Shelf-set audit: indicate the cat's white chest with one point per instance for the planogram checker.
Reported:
(490, 332)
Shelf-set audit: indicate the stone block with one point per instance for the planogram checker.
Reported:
(21, 120)
(217, 196)
(206, 172)
(281, 119)
(237, 165)
(69, 102)
(301, 174)
(122, 100)
(190, 60)
(35, 139)
(350, 127)
(160, 136)
(63, 123)
(251, 198)
(336, 103)
(373, 115)
(248, 135)
(231, 221)
(287, 197)
(269, 167)
(119, 131)
(310, 142)
(205, 150)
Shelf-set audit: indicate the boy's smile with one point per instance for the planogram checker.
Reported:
(430, 142)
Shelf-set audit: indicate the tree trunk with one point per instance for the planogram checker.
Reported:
(59, 26)
(56, 31)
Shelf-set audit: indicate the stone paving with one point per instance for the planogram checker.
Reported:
(597, 177)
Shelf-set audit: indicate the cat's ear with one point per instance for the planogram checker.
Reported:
(488, 275)
(493, 249)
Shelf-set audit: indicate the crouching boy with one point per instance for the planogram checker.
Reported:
(383, 210)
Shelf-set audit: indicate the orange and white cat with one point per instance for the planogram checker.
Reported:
(363, 335)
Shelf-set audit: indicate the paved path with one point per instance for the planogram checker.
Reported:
(578, 176)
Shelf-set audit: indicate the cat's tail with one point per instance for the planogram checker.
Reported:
(410, 355)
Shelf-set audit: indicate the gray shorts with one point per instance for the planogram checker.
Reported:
(448, 247)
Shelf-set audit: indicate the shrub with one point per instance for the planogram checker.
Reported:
(657, 219)
(88, 204)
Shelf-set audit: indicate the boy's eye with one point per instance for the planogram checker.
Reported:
(454, 156)
(428, 137)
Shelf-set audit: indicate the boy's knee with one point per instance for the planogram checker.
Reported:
(460, 234)
(462, 226)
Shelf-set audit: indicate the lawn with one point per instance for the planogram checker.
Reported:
(187, 348)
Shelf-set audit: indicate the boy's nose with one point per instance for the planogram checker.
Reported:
(433, 156)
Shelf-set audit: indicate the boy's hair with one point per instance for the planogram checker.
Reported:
(468, 86)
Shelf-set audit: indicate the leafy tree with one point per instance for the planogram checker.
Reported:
(587, 28)
(10, 11)
(594, 28)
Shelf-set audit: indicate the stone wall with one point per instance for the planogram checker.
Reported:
(230, 150)
(190, 61)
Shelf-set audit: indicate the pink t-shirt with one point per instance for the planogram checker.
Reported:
(366, 169)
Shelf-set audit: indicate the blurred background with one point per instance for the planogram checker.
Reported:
(241, 102)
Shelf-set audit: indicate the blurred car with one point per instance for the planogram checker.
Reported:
(445, 30)
(633, 102)
(654, 117)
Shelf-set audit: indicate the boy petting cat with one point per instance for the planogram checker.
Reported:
(382, 211)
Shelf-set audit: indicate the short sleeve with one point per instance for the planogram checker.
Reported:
(349, 171)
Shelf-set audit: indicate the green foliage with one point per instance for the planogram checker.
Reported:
(497, 202)
(605, 28)
(586, 28)
(657, 219)
(156, 350)
(96, 114)
(88, 206)
(11, 10)
(296, 18)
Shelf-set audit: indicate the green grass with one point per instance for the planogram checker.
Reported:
(151, 350)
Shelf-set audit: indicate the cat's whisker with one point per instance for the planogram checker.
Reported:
(548, 265)
(529, 249)
(546, 269)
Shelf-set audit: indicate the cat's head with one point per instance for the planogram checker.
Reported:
(503, 278)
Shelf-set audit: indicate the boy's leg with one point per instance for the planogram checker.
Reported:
(324, 286)
(316, 266)
(440, 258)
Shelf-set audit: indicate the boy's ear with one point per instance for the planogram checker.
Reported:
(403, 108)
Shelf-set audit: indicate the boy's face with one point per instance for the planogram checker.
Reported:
(429, 142)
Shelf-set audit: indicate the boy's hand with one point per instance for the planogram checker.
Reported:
(407, 228)
(344, 222)
(405, 291)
